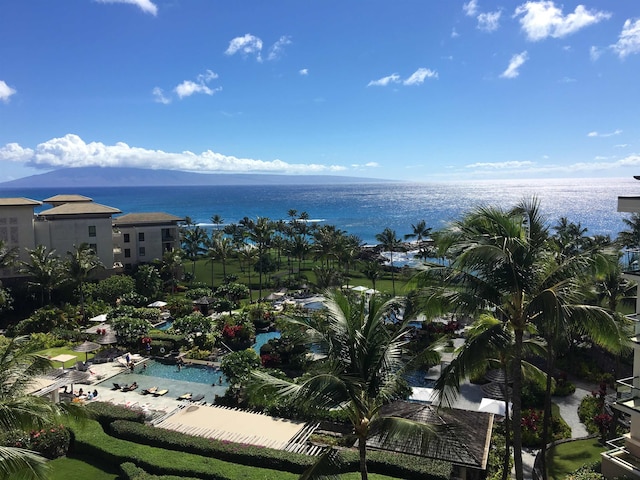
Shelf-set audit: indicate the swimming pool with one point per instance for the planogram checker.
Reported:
(262, 338)
(196, 379)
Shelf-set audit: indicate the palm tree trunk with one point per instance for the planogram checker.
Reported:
(517, 405)
(507, 428)
(546, 419)
(362, 448)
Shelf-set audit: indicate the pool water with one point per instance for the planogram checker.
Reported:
(262, 338)
(187, 373)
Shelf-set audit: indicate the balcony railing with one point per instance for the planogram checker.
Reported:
(620, 455)
(628, 394)
(635, 318)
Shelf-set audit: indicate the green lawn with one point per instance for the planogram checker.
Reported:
(67, 468)
(54, 352)
(568, 457)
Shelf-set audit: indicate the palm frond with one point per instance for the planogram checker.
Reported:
(22, 464)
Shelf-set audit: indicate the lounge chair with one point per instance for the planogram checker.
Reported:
(81, 366)
(197, 398)
(186, 396)
(116, 386)
(150, 390)
(130, 388)
(160, 393)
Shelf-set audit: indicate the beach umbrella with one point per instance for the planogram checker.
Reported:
(107, 339)
(359, 288)
(99, 318)
(63, 358)
(86, 347)
(157, 304)
(491, 405)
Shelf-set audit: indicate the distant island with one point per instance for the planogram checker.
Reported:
(140, 177)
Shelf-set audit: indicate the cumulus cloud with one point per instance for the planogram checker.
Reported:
(245, 45)
(365, 165)
(594, 53)
(146, 6)
(542, 19)
(384, 81)
(276, 49)
(71, 151)
(470, 8)
(500, 165)
(609, 134)
(303, 71)
(629, 39)
(5, 91)
(516, 62)
(159, 96)
(489, 22)
(418, 77)
(525, 167)
(188, 87)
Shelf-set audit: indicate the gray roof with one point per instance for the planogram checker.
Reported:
(80, 208)
(67, 199)
(463, 436)
(151, 217)
(18, 202)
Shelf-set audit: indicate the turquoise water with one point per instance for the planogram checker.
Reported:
(187, 373)
(262, 338)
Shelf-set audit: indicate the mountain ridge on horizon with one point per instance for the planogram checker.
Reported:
(141, 177)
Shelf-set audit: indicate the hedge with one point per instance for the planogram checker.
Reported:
(131, 472)
(92, 441)
(386, 463)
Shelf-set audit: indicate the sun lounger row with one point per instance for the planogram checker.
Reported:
(155, 391)
(189, 396)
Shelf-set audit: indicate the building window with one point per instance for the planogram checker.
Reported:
(126, 238)
(127, 253)
(141, 236)
(94, 247)
(92, 230)
(141, 252)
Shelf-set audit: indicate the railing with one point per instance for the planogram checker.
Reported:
(635, 318)
(626, 390)
(620, 455)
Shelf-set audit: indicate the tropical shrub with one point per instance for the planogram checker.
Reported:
(44, 319)
(51, 442)
(586, 472)
(134, 299)
(532, 428)
(130, 329)
(111, 289)
(194, 294)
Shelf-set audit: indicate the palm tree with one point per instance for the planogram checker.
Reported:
(630, 238)
(248, 254)
(390, 243)
(503, 265)
(20, 411)
(420, 232)
(217, 220)
(8, 258)
(260, 234)
(362, 372)
(193, 241)
(373, 271)
(171, 266)
(45, 269)
(81, 262)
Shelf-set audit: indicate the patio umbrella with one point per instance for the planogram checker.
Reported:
(63, 358)
(157, 304)
(359, 288)
(99, 318)
(107, 339)
(491, 405)
(86, 347)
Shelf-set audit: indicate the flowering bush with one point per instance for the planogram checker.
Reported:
(272, 360)
(52, 442)
(532, 420)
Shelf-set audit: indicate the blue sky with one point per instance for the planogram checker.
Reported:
(422, 90)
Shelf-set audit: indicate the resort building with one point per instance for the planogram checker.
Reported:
(71, 220)
(623, 461)
(144, 237)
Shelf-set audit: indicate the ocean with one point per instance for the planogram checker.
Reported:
(367, 209)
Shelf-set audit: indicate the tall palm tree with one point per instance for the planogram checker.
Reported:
(193, 241)
(20, 411)
(81, 263)
(373, 271)
(362, 372)
(420, 232)
(502, 264)
(45, 270)
(248, 254)
(390, 243)
(217, 220)
(171, 267)
(260, 234)
(8, 258)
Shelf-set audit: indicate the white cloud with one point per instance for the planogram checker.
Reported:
(418, 77)
(516, 62)
(160, 97)
(454, 33)
(303, 71)
(621, 145)
(146, 6)
(470, 8)
(629, 39)
(188, 87)
(489, 22)
(276, 48)
(542, 19)
(246, 45)
(5, 91)
(365, 165)
(71, 151)
(500, 165)
(609, 134)
(594, 53)
(384, 81)
(567, 80)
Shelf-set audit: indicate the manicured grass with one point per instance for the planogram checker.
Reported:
(568, 457)
(66, 468)
(54, 352)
